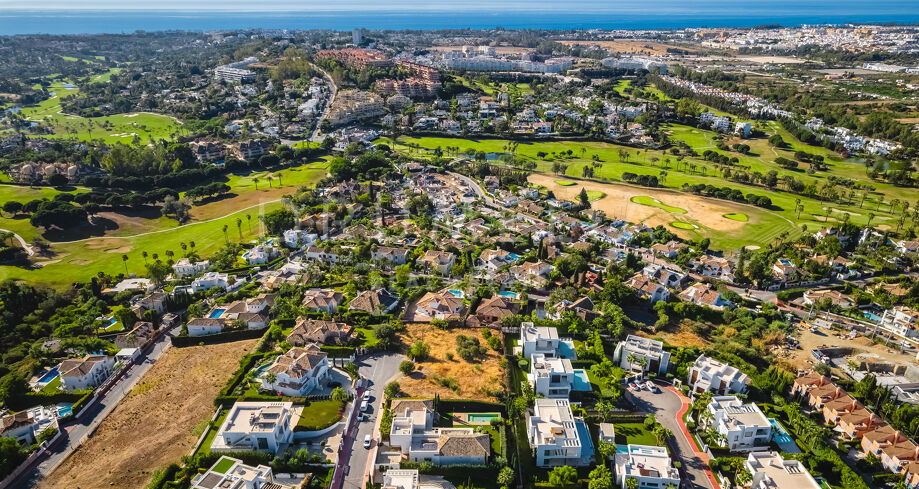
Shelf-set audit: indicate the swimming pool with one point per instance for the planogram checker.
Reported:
(481, 417)
(64, 409)
(513, 256)
(456, 293)
(581, 382)
(216, 313)
(49, 376)
(587, 446)
(566, 349)
(782, 438)
(508, 294)
(873, 317)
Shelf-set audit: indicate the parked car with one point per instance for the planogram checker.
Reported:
(652, 387)
(367, 396)
(633, 386)
(367, 441)
(365, 406)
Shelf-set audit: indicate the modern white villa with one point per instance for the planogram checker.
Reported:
(771, 471)
(642, 354)
(413, 433)
(232, 473)
(743, 425)
(708, 374)
(262, 426)
(554, 435)
(551, 377)
(297, 372)
(650, 466)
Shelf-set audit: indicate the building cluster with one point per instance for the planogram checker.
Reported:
(484, 58)
(853, 143)
(355, 105)
(423, 82)
(237, 71)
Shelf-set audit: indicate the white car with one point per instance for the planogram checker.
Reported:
(365, 406)
(367, 441)
(367, 396)
(651, 386)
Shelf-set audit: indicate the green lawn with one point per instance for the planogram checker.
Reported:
(634, 434)
(684, 225)
(565, 183)
(318, 415)
(223, 465)
(370, 339)
(737, 217)
(650, 201)
(52, 387)
(595, 195)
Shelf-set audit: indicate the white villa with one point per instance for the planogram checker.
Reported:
(743, 425)
(297, 372)
(902, 320)
(185, 267)
(650, 466)
(400, 479)
(210, 280)
(85, 373)
(708, 374)
(413, 432)
(261, 254)
(553, 434)
(238, 476)
(25, 426)
(262, 426)
(540, 339)
(656, 359)
(771, 471)
(551, 377)
(250, 313)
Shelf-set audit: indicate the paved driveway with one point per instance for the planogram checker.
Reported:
(378, 369)
(666, 406)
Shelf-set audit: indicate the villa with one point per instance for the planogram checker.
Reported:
(297, 372)
(262, 426)
(85, 373)
(708, 374)
(25, 426)
(647, 288)
(377, 302)
(138, 337)
(440, 261)
(392, 256)
(902, 320)
(232, 473)
(413, 432)
(551, 377)
(185, 267)
(642, 354)
(496, 308)
(439, 305)
(535, 274)
(210, 280)
(400, 479)
(743, 425)
(538, 339)
(771, 471)
(155, 302)
(261, 254)
(649, 466)
(323, 300)
(554, 434)
(704, 294)
(249, 313)
(319, 331)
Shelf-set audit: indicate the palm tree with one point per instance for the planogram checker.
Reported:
(249, 220)
(239, 227)
(225, 237)
(255, 181)
(170, 254)
(870, 218)
(144, 254)
(184, 248)
(124, 258)
(269, 178)
(192, 245)
(280, 183)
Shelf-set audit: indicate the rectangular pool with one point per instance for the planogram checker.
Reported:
(581, 382)
(782, 438)
(216, 313)
(481, 417)
(49, 376)
(508, 294)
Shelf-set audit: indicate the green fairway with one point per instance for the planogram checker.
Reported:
(565, 183)
(737, 217)
(645, 200)
(684, 225)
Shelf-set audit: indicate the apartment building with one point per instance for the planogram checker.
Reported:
(262, 426)
(771, 471)
(554, 434)
(708, 374)
(651, 467)
(253, 148)
(743, 425)
(642, 354)
(551, 377)
(354, 105)
(902, 320)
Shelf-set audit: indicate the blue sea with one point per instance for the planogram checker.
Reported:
(576, 14)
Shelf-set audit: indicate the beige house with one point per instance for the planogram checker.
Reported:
(319, 331)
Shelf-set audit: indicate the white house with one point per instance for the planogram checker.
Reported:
(538, 339)
(902, 320)
(441, 261)
(439, 305)
(743, 425)
(297, 372)
(413, 432)
(295, 238)
(210, 280)
(648, 288)
(629, 352)
(238, 476)
(553, 434)
(400, 479)
(250, 313)
(261, 254)
(86, 372)
(393, 256)
(185, 267)
(703, 294)
(650, 466)
(771, 471)
(708, 374)
(551, 377)
(262, 426)
(25, 426)
(314, 253)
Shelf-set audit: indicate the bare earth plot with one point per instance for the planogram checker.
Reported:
(153, 425)
(475, 379)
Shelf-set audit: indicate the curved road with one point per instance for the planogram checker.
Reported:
(665, 406)
(21, 241)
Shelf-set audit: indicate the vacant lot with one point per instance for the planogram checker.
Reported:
(154, 425)
(474, 380)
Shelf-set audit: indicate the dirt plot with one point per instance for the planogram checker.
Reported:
(861, 346)
(704, 211)
(475, 380)
(632, 46)
(153, 426)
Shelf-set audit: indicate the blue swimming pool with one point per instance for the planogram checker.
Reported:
(513, 256)
(587, 446)
(566, 349)
(456, 293)
(49, 376)
(216, 313)
(581, 382)
(782, 438)
(64, 409)
(873, 317)
(508, 294)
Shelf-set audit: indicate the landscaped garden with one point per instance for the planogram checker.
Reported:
(319, 415)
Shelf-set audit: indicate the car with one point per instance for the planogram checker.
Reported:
(633, 386)
(367, 396)
(652, 387)
(367, 441)
(365, 406)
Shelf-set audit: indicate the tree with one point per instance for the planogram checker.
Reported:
(225, 237)
(606, 449)
(420, 350)
(12, 207)
(278, 221)
(506, 476)
(338, 394)
(563, 476)
(124, 259)
(585, 200)
(600, 478)
(392, 390)
(157, 272)
(631, 483)
(407, 367)
(239, 228)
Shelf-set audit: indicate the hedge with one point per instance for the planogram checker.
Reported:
(469, 406)
(338, 351)
(32, 399)
(223, 337)
(81, 402)
(245, 364)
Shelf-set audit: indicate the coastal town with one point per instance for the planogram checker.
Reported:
(494, 259)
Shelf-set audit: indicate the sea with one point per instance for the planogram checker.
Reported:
(658, 14)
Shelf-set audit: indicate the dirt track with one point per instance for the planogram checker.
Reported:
(153, 426)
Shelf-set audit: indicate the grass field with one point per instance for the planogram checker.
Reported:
(565, 183)
(650, 201)
(595, 195)
(634, 434)
(737, 217)
(318, 415)
(684, 225)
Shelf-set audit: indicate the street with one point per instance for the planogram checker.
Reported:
(665, 406)
(379, 370)
(76, 433)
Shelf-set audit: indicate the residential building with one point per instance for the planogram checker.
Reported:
(496, 308)
(784, 270)
(323, 300)
(708, 374)
(355, 105)
(715, 267)
(650, 466)
(185, 267)
(439, 305)
(392, 256)
(253, 148)
(897, 456)
(743, 425)
(808, 382)
(414, 434)
(834, 409)
(647, 288)
(858, 422)
(400, 479)
(85, 373)
(261, 254)
(554, 435)
(238, 476)
(314, 253)
(905, 246)
(319, 331)
(876, 440)
(210, 280)
(378, 301)
(207, 151)
(835, 297)
(551, 377)
(538, 339)
(703, 294)
(440, 261)
(642, 354)
(25, 426)
(138, 337)
(155, 302)
(249, 313)
(297, 372)
(535, 274)
(263, 426)
(902, 320)
(771, 471)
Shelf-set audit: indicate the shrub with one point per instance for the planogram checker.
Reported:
(420, 350)
(469, 348)
(392, 390)
(406, 367)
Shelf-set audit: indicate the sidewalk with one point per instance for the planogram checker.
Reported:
(692, 442)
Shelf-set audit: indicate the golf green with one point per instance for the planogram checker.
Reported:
(652, 202)
(684, 225)
(736, 217)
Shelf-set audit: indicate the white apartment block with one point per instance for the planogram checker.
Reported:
(541, 339)
(262, 426)
(414, 434)
(656, 358)
(553, 434)
(551, 377)
(902, 320)
(708, 374)
(239, 476)
(743, 425)
(771, 471)
(649, 466)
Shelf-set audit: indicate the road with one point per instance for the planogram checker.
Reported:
(22, 242)
(665, 406)
(77, 433)
(315, 135)
(379, 370)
